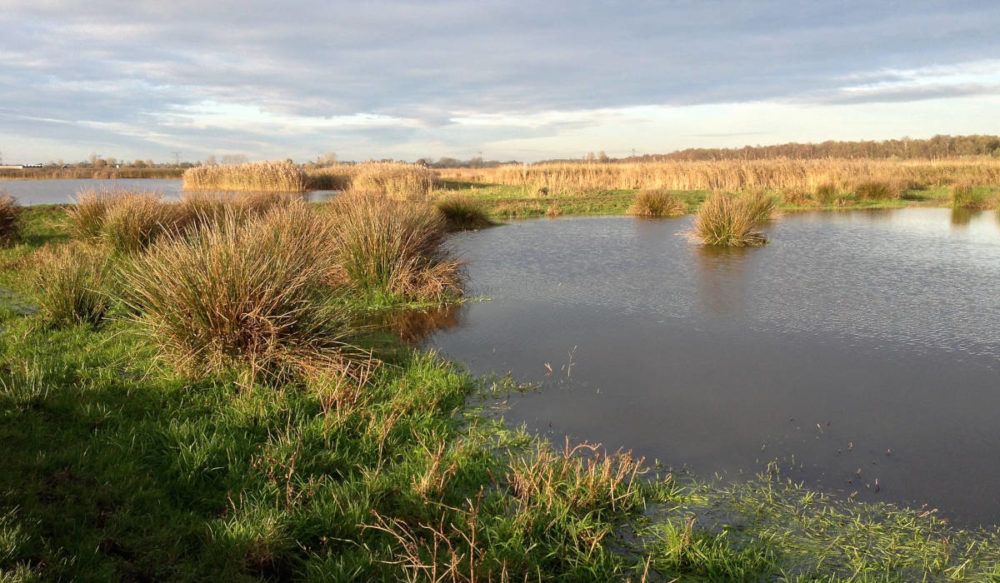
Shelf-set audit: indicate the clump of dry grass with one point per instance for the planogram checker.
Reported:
(394, 248)
(252, 177)
(10, 214)
(202, 209)
(73, 280)
(877, 190)
(401, 181)
(134, 222)
(730, 221)
(655, 204)
(462, 212)
(85, 219)
(825, 193)
(965, 195)
(243, 294)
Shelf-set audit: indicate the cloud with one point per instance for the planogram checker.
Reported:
(297, 78)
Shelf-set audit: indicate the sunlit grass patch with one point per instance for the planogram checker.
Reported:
(393, 248)
(730, 221)
(73, 281)
(656, 203)
(462, 212)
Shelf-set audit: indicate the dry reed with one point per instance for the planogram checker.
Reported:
(73, 280)
(251, 177)
(842, 175)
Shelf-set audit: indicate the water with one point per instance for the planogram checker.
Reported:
(855, 346)
(32, 192)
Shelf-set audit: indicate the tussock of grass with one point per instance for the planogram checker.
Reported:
(85, 219)
(242, 293)
(656, 203)
(968, 196)
(877, 190)
(730, 221)
(10, 226)
(134, 222)
(252, 177)
(73, 281)
(462, 212)
(389, 247)
(411, 182)
(205, 209)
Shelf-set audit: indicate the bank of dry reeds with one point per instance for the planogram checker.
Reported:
(833, 175)
(251, 177)
(395, 179)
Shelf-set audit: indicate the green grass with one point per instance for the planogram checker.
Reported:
(503, 202)
(116, 467)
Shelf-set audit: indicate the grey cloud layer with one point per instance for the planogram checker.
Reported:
(136, 63)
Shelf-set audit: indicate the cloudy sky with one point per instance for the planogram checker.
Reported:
(522, 80)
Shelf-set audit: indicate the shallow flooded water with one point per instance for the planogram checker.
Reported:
(860, 350)
(32, 192)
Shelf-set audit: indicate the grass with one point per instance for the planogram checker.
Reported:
(462, 212)
(117, 467)
(251, 177)
(132, 223)
(656, 203)
(725, 220)
(391, 248)
(971, 197)
(74, 283)
(10, 225)
(242, 292)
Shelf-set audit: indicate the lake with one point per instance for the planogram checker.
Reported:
(856, 346)
(32, 192)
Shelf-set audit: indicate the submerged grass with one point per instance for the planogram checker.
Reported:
(117, 468)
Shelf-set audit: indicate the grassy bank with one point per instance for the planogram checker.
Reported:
(120, 466)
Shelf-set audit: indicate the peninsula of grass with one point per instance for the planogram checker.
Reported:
(129, 458)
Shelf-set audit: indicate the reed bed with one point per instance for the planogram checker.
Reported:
(969, 196)
(73, 281)
(725, 220)
(656, 204)
(243, 294)
(400, 181)
(388, 247)
(251, 177)
(10, 214)
(841, 175)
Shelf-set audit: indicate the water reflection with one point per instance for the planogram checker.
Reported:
(961, 217)
(414, 326)
(721, 274)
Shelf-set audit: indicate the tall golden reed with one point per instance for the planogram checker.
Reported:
(735, 175)
(252, 177)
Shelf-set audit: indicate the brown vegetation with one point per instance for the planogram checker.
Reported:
(251, 177)
(656, 203)
(10, 214)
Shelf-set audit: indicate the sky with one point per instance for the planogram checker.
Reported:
(505, 80)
